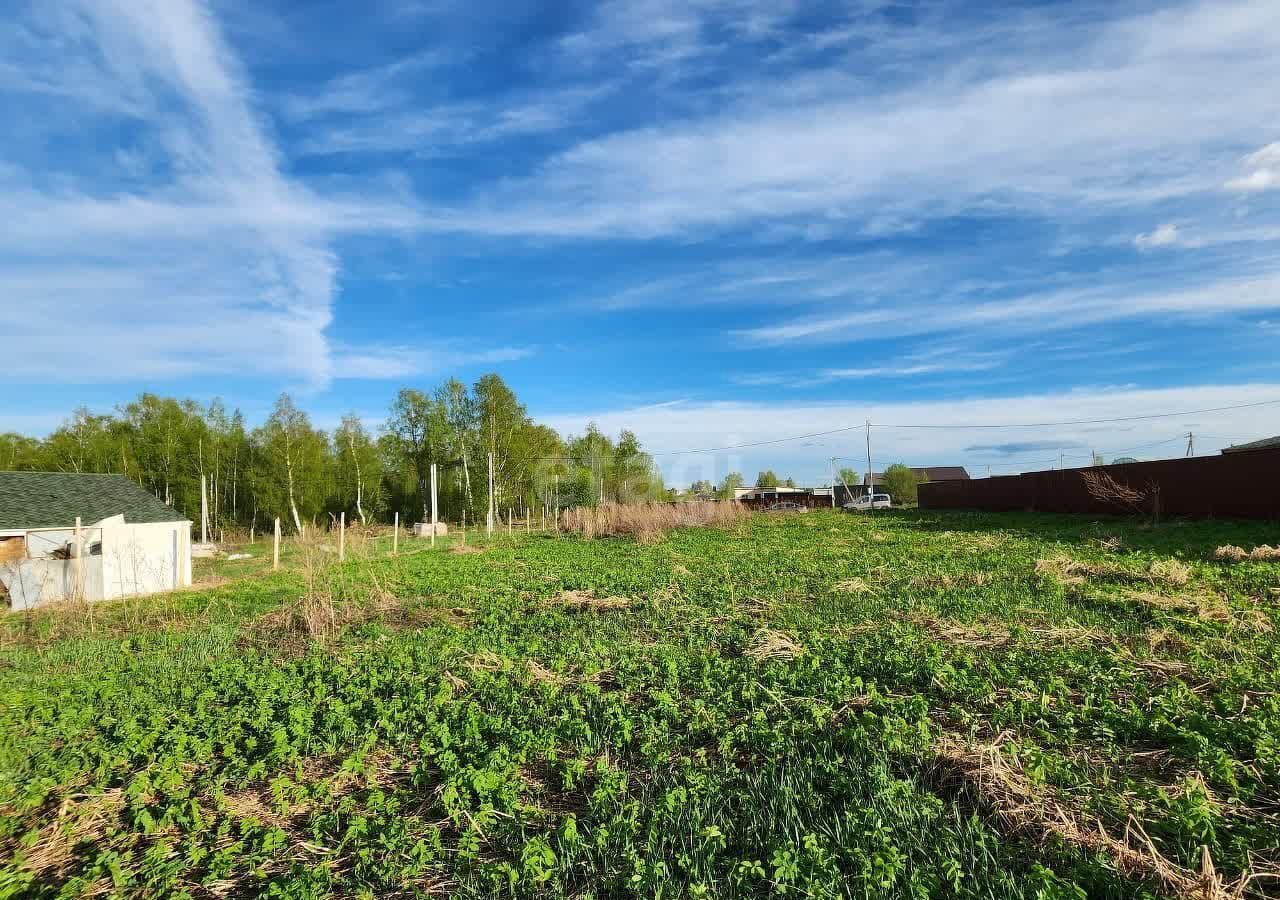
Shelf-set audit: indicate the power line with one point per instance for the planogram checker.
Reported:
(846, 428)
(1168, 415)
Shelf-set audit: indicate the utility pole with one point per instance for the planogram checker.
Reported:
(1061, 464)
(1191, 444)
(871, 479)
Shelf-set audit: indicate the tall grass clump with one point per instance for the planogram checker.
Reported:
(648, 521)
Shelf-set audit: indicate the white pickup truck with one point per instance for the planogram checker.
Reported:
(869, 501)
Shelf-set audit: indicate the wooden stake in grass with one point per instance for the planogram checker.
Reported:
(395, 536)
(275, 551)
(342, 536)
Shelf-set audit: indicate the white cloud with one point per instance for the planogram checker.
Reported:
(1147, 109)
(718, 424)
(199, 256)
(1028, 313)
(409, 362)
(1165, 235)
(1265, 171)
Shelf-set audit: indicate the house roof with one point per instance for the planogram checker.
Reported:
(929, 473)
(54, 499)
(1262, 444)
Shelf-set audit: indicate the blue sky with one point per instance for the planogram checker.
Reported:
(715, 222)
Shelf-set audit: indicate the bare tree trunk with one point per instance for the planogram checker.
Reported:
(288, 464)
(351, 442)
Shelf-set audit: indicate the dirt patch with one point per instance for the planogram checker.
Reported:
(993, 780)
(465, 548)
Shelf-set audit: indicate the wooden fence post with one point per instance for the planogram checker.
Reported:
(79, 588)
(434, 515)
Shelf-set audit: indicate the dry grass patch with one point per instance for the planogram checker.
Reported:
(1205, 604)
(851, 586)
(1170, 571)
(963, 579)
(79, 819)
(647, 522)
(465, 548)
(770, 644)
(1261, 553)
(1071, 571)
(539, 672)
(996, 782)
(587, 600)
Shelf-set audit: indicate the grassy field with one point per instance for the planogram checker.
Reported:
(814, 705)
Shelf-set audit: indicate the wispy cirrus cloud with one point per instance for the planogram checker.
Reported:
(1035, 313)
(1132, 115)
(181, 246)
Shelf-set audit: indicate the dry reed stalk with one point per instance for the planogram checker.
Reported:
(647, 522)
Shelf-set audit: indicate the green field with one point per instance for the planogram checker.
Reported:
(812, 705)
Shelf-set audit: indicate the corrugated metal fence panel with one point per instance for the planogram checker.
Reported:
(1244, 485)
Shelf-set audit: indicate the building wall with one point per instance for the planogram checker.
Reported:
(145, 558)
(135, 559)
(1244, 485)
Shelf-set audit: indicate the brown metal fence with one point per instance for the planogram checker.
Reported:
(1241, 485)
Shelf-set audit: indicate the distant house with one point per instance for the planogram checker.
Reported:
(762, 497)
(1263, 444)
(128, 543)
(925, 473)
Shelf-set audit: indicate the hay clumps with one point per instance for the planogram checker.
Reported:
(1170, 571)
(1261, 553)
(587, 601)
(770, 644)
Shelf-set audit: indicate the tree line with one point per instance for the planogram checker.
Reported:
(287, 467)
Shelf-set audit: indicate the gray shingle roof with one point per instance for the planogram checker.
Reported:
(54, 499)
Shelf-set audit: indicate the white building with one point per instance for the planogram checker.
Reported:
(128, 542)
